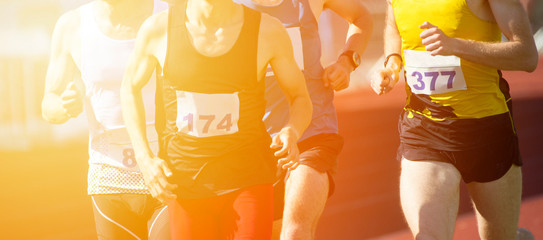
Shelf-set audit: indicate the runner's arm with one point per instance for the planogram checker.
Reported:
(290, 78)
(519, 53)
(139, 70)
(338, 75)
(385, 79)
(392, 40)
(292, 82)
(61, 99)
(361, 25)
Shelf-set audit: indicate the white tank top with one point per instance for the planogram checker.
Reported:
(112, 166)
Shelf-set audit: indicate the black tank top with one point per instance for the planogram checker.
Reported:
(212, 134)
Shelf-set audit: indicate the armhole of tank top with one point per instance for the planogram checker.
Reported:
(470, 10)
(159, 6)
(311, 6)
(168, 35)
(83, 29)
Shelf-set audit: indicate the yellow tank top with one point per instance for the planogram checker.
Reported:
(447, 87)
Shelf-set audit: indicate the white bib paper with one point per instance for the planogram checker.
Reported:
(113, 147)
(207, 115)
(427, 74)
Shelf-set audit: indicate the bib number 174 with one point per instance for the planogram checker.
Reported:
(208, 121)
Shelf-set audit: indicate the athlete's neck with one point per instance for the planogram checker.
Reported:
(213, 13)
(268, 2)
(123, 12)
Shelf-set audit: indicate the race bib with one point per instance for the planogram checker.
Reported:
(207, 115)
(113, 147)
(427, 74)
(124, 154)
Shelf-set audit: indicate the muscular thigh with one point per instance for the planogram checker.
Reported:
(243, 214)
(482, 164)
(497, 204)
(319, 153)
(429, 193)
(251, 214)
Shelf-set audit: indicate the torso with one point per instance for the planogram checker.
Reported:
(124, 30)
(452, 94)
(213, 107)
(100, 49)
(465, 109)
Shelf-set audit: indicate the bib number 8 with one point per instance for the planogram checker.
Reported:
(129, 158)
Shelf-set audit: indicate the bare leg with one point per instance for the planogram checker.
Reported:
(306, 193)
(497, 205)
(429, 193)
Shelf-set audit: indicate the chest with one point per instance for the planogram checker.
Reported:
(456, 18)
(213, 41)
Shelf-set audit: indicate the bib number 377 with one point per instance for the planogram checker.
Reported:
(426, 74)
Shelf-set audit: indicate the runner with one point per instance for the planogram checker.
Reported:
(303, 191)
(215, 168)
(93, 43)
(456, 124)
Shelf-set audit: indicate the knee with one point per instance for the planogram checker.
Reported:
(426, 236)
(296, 232)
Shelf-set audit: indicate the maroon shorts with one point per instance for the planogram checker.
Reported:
(483, 164)
(319, 152)
(243, 214)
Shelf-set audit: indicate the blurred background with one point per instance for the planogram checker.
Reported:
(43, 167)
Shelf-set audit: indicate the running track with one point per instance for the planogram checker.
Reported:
(43, 191)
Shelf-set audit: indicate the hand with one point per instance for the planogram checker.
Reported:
(384, 80)
(338, 75)
(72, 100)
(155, 173)
(436, 42)
(287, 139)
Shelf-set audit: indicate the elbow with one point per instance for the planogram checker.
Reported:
(365, 25)
(530, 58)
(531, 63)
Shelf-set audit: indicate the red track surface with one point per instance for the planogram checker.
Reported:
(43, 192)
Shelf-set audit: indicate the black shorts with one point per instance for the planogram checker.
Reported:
(484, 164)
(319, 152)
(130, 216)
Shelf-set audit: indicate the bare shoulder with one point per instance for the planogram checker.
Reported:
(68, 24)
(269, 24)
(155, 26)
(151, 40)
(272, 33)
